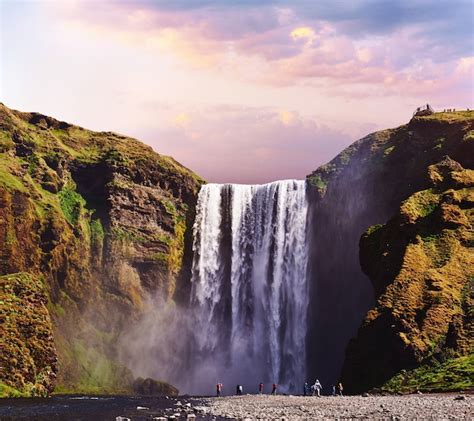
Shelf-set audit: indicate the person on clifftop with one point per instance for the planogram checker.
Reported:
(274, 389)
(260, 388)
(218, 389)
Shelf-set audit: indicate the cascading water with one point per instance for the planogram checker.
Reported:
(249, 293)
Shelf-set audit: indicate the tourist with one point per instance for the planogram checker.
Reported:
(305, 389)
(218, 389)
(260, 388)
(317, 387)
(339, 389)
(334, 390)
(274, 389)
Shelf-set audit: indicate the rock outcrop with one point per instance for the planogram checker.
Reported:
(421, 264)
(98, 223)
(364, 186)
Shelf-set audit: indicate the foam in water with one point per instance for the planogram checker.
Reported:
(249, 293)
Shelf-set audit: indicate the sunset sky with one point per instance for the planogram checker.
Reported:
(239, 91)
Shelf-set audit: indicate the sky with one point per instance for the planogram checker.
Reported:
(239, 91)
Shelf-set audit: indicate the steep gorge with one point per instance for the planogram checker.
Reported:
(96, 270)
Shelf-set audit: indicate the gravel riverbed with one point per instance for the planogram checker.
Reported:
(408, 407)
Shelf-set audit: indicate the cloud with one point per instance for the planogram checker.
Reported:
(388, 45)
(303, 32)
(248, 144)
(181, 120)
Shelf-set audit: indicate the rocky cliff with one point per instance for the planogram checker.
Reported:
(421, 264)
(364, 186)
(91, 226)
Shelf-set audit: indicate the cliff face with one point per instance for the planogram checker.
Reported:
(361, 187)
(97, 223)
(421, 265)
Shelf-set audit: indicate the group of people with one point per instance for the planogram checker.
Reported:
(239, 389)
(313, 390)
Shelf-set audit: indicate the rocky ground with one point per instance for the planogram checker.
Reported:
(128, 408)
(433, 406)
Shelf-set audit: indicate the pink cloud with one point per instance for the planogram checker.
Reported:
(249, 145)
(404, 59)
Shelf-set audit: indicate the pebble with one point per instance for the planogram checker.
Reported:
(390, 407)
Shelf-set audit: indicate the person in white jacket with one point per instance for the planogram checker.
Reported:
(317, 387)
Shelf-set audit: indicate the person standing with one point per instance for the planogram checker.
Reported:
(218, 389)
(274, 389)
(334, 390)
(339, 389)
(305, 389)
(260, 388)
(317, 388)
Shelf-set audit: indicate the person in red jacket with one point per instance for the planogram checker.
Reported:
(218, 389)
(274, 389)
(260, 388)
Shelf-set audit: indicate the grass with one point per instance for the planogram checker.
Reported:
(71, 203)
(120, 233)
(469, 136)
(10, 392)
(450, 116)
(7, 179)
(451, 375)
(420, 204)
(97, 231)
(388, 150)
(373, 228)
(316, 181)
(6, 142)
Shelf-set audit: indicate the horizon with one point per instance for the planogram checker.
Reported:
(246, 93)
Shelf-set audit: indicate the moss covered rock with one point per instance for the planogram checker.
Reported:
(28, 357)
(421, 265)
(363, 187)
(151, 387)
(104, 222)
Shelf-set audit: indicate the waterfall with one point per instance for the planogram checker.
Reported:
(249, 294)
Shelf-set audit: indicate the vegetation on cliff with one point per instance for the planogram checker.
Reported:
(420, 334)
(97, 223)
(28, 360)
(363, 187)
